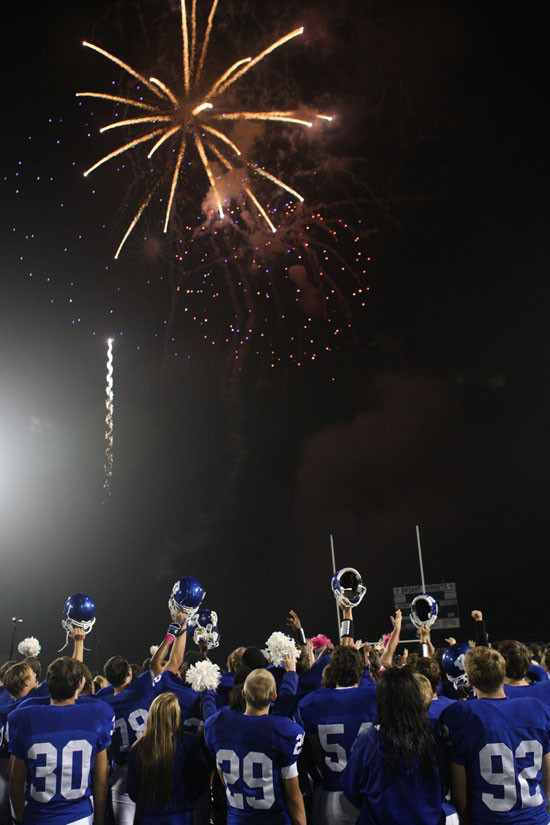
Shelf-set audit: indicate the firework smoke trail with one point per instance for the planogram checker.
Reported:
(109, 405)
(186, 116)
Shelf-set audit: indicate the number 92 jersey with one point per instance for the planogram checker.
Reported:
(255, 754)
(59, 744)
(501, 743)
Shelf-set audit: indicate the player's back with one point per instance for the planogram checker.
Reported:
(59, 744)
(130, 707)
(336, 717)
(188, 700)
(255, 754)
(501, 743)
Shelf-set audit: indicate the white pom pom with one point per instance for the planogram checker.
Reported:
(153, 649)
(203, 676)
(29, 646)
(278, 646)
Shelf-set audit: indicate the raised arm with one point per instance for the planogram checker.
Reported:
(481, 637)
(393, 641)
(176, 630)
(346, 628)
(78, 636)
(423, 633)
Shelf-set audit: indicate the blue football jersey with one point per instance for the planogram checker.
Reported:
(409, 797)
(501, 743)
(130, 707)
(311, 679)
(227, 683)
(189, 700)
(336, 717)
(540, 691)
(438, 706)
(255, 755)
(59, 744)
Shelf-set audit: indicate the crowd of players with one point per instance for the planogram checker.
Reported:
(333, 736)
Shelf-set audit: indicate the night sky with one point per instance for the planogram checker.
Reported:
(430, 409)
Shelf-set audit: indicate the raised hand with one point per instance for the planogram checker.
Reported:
(293, 621)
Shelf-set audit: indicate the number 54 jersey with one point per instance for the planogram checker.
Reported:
(501, 743)
(59, 744)
(255, 754)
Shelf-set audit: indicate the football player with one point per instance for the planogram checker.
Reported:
(332, 719)
(499, 749)
(19, 682)
(518, 666)
(256, 755)
(130, 703)
(60, 753)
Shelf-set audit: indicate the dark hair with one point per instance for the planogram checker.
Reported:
(517, 658)
(191, 658)
(146, 664)
(137, 670)
(346, 666)
(254, 658)
(430, 669)
(63, 677)
(236, 698)
(35, 664)
(116, 670)
(404, 728)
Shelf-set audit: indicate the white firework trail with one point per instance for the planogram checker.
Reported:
(109, 406)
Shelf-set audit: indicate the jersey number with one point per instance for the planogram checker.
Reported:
(256, 771)
(74, 775)
(136, 721)
(335, 755)
(504, 773)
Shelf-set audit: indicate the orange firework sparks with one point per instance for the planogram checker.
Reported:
(183, 119)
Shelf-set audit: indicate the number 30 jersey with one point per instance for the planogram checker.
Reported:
(59, 744)
(501, 743)
(255, 754)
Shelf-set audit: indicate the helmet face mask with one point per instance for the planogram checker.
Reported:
(204, 626)
(79, 611)
(186, 597)
(424, 610)
(347, 586)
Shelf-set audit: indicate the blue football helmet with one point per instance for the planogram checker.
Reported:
(347, 586)
(187, 595)
(424, 609)
(453, 663)
(203, 627)
(79, 611)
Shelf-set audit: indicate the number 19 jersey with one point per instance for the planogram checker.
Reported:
(501, 743)
(255, 754)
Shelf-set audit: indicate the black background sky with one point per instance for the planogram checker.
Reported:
(436, 415)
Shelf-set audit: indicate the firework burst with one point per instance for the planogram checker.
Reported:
(191, 121)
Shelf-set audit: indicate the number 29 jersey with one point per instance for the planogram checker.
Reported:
(59, 744)
(255, 754)
(501, 743)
